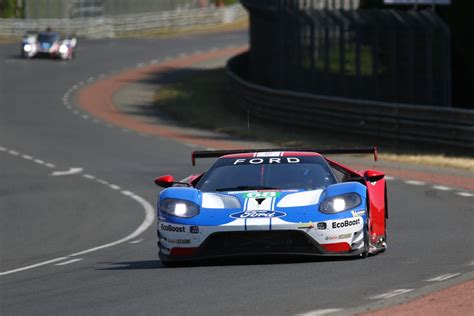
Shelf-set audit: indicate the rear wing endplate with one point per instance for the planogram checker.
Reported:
(323, 151)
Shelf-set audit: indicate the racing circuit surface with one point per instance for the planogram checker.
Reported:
(78, 233)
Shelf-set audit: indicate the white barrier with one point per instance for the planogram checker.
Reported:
(119, 25)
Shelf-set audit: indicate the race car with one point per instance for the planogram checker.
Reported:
(47, 43)
(272, 202)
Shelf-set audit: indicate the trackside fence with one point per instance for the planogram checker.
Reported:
(100, 27)
(400, 56)
(433, 126)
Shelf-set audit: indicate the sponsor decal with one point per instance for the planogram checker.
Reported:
(358, 213)
(258, 161)
(262, 194)
(331, 237)
(308, 225)
(346, 223)
(321, 226)
(178, 241)
(194, 229)
(257, 214)
(345, 236)
(171, 228)
(183, 241)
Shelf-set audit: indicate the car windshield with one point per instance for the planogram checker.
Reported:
(48, 37)
(238, 174)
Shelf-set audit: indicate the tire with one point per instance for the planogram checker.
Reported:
(169, 263)
(365, 253)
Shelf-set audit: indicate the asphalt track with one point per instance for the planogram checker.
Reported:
(59, 220)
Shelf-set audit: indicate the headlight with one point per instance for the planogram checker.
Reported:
(179, 208)
(27, 47)
(340, 203)
(63, 49)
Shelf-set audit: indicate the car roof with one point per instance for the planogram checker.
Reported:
(272, 154)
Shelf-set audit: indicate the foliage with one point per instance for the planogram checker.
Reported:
(7, 8)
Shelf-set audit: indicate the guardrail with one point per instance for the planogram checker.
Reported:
(450, 128)
(121, 25)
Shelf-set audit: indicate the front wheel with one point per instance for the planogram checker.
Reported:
(365, 253)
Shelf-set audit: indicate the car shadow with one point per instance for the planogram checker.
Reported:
(38, 57)
(228, 261)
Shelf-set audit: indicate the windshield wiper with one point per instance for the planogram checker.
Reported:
(246, 187)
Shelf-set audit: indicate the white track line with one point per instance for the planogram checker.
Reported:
(443, 277)
(102, 181)
(136, 241)
(319, 312)
(33, 266)
(69, 172)
(391, 294)
(414, 182)
(68, 262)
(465, 194)
(114, 187)
(441, 188)
(147, 222)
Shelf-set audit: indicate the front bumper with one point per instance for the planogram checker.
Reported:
(182, 242)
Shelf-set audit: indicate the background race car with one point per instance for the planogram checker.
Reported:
(272, 201)
(49, 44)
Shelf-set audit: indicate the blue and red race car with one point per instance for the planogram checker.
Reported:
(272, 201)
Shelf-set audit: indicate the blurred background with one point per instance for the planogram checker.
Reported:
(369, 49)
(395, 72)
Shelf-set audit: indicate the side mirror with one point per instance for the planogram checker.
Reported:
(168, 181)
(164, 181)
(373, 175)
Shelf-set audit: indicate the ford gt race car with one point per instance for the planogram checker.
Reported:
(47, 43)
(272, 201)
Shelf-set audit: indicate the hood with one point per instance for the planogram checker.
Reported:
(291, 206)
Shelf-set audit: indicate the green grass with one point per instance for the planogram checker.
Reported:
(350, 69)
(202, 100)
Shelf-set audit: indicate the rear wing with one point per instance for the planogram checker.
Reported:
(323, 151)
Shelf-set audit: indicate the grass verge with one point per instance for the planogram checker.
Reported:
(9, 39)
(202, 100)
